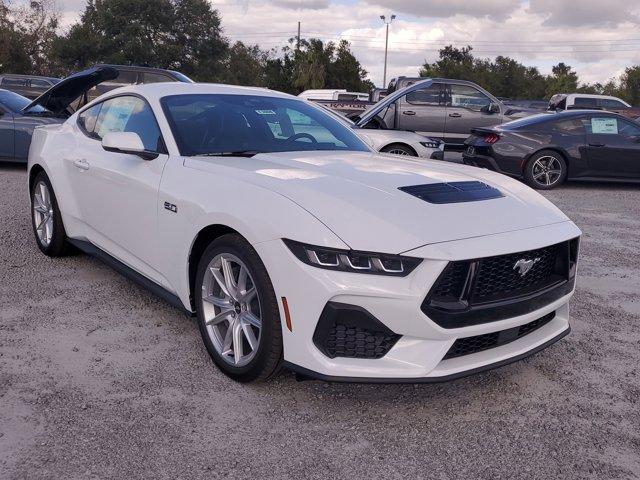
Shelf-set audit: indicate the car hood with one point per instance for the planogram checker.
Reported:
(357, 196)
(58, 98)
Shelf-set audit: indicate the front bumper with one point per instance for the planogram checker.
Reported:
(418, 355)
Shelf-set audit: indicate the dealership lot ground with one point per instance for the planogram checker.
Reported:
(100, 379)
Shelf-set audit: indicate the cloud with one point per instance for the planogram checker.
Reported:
(577, 13)
(537, 33)
(302, 4)
(449, 8)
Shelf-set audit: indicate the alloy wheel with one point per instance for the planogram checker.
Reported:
(43, 213)
(231, 307)
(547, 170)
(398, 151)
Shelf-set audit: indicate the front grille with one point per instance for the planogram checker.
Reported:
(469, 345)
(498, 276)
(486, 289)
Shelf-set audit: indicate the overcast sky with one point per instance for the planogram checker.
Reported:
(599, 38)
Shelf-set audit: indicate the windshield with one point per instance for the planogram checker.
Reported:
(16, 103)
(217, 123)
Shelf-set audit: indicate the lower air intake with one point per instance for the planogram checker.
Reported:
(350, 331)
(478, 343)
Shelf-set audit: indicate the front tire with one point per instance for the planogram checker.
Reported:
(545, 170)
(237, 310)
(46, 219)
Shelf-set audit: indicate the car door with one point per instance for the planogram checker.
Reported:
(6, 134)
(423, 111)
(117, 193)
(467, 108)
(613, 146)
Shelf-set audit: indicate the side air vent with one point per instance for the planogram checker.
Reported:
(453, 192)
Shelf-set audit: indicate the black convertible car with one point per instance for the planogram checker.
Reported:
(548, 148)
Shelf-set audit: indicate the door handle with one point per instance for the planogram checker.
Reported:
(596, 144)
(81, 164)
(408, 112)
(455, 115)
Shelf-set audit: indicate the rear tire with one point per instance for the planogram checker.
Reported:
(545, 170)
(46, 219)
(236, 305)
(398, 149)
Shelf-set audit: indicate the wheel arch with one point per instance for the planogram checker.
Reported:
(33, 173)
(399, 144)
(200, 243)
(561, 151)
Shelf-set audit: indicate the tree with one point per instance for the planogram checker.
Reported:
(453, 63)
(320, 65)
(630, 85)
(26, 36)
(345, 71)
(245, 65)
(182, 35)
(562, 80)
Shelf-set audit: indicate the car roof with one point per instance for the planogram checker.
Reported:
(136, 68)
(18, 75)
(544, 117)
(163, 89)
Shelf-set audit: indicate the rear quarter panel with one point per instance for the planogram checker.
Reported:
(52, 146)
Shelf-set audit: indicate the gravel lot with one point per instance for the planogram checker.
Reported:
(100, 379)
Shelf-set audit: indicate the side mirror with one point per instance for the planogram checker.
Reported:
(126, 142)
(491, 108)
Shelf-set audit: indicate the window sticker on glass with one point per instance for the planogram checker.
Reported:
(265, 112)
(604, 125)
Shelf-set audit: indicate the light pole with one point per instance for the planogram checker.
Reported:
(386, 46)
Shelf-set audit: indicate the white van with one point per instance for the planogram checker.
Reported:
(335, 94)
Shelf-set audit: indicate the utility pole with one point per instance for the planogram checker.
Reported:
(298, 38)
(386, 46)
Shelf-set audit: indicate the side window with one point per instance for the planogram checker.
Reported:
(87, 119)
(468, 97)
(36, 82)
(569, 126)
(125, 77)
(129, 114)
(582, 102)
(156, 78)
(628, 129)
(609, 103)
(602, 126)
(426, 96)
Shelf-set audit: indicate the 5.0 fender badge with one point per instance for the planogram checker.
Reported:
(171, 207)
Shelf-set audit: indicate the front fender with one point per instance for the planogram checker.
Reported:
(203, 199)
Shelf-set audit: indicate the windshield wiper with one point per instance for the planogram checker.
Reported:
(238, 153)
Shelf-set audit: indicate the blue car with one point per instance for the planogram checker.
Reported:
(19, 115)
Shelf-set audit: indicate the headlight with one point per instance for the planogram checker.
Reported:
(353, 261)
(431, 144)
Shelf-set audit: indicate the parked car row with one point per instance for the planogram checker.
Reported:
(417, 117)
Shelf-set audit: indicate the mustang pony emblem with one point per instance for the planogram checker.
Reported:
(523, 266)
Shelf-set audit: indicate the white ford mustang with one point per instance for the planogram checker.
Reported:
(295, 245)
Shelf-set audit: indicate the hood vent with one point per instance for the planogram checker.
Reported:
(453, 192)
